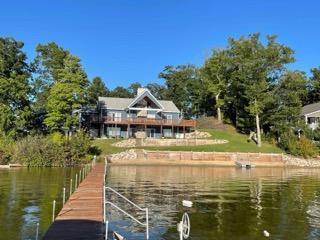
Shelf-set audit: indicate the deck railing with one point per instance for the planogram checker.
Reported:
(150, 121)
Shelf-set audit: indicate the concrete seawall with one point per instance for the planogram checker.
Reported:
(199, 158)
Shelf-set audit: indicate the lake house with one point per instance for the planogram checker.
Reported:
(311, 115)
(123, 117)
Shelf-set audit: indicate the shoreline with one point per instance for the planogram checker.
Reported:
(222, 159)
(12, 165)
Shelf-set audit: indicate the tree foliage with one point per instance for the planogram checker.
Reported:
(96, 89)
(67, 94)
(14, 87)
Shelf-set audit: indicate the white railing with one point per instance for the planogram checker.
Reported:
(105, 202)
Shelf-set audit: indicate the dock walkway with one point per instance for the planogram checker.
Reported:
(82, 215)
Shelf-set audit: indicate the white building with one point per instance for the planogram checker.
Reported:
(311, 114)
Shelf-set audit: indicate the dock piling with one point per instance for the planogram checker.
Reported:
(53, 210)
(63, 196)
(37, 232)
(70, 188)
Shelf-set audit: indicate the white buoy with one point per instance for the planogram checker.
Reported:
(187, 203)
(266, 233)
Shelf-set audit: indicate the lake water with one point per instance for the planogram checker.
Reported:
(26, 196)
(229, 203)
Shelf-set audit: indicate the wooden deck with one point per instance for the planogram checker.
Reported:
(82, 215)
(147, 121)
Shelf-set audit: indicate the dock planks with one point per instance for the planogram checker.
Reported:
(82, 215)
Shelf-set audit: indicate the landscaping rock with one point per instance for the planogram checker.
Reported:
(301, 162)
(197, 134)
(127, 143)
(126, 155)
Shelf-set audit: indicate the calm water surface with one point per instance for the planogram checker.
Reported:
(26, 196)
(229, 203)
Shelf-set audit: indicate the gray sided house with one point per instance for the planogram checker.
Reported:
(311, 115)
(123, 117)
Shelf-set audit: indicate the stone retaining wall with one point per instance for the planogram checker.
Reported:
(219, 158)
(150, 142)
(213, 156)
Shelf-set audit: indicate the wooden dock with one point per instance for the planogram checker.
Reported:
(82, 215)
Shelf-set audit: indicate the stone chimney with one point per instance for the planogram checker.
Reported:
(140, 91)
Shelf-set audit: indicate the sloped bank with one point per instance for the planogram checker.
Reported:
(141, 156)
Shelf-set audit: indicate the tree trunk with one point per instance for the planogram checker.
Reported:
(258, 130)
(218, 108)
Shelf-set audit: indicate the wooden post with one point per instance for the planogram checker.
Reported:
(172, 129)
(128, 130)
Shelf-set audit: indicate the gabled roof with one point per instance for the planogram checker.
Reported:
(145, 93)
(310, 108)
(123, 103)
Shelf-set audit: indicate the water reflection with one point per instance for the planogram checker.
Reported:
(26, 196)
(229, 203)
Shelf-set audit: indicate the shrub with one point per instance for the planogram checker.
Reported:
(57, 138)
(298, 147)
(37, 151)
(53, 150)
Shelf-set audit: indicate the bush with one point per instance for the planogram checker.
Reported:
(53, 150)
(37, 151)
(298, 147)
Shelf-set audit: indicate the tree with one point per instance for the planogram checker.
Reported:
(66, 94)
(133, 88)
(50, 59)
(257, 67)
(157, 90)
(96, 89)
(14, 87)
(120, 92)
(178, 81)
(215, 74)
(290, 93)
(314, 93)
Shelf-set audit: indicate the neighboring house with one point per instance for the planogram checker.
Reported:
(123, 117)
(311, 115)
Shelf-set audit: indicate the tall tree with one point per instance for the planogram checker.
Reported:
(257, 68)
(14, 87)
(120, 92)
(178, 81)
(48, 62)
(314, 93)
(290, 93)
(157, 90)
(66, 94)
(96, 89)
(133, 88)
(216, 74)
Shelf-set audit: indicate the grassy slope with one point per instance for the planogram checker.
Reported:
(237, 143)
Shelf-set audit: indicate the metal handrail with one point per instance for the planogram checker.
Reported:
(123, 197)
(123, 211)
(146, 224)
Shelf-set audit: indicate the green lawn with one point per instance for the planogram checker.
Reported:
(105, 145)
(237, 143)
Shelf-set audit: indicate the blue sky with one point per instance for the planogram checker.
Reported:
(125, 41)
